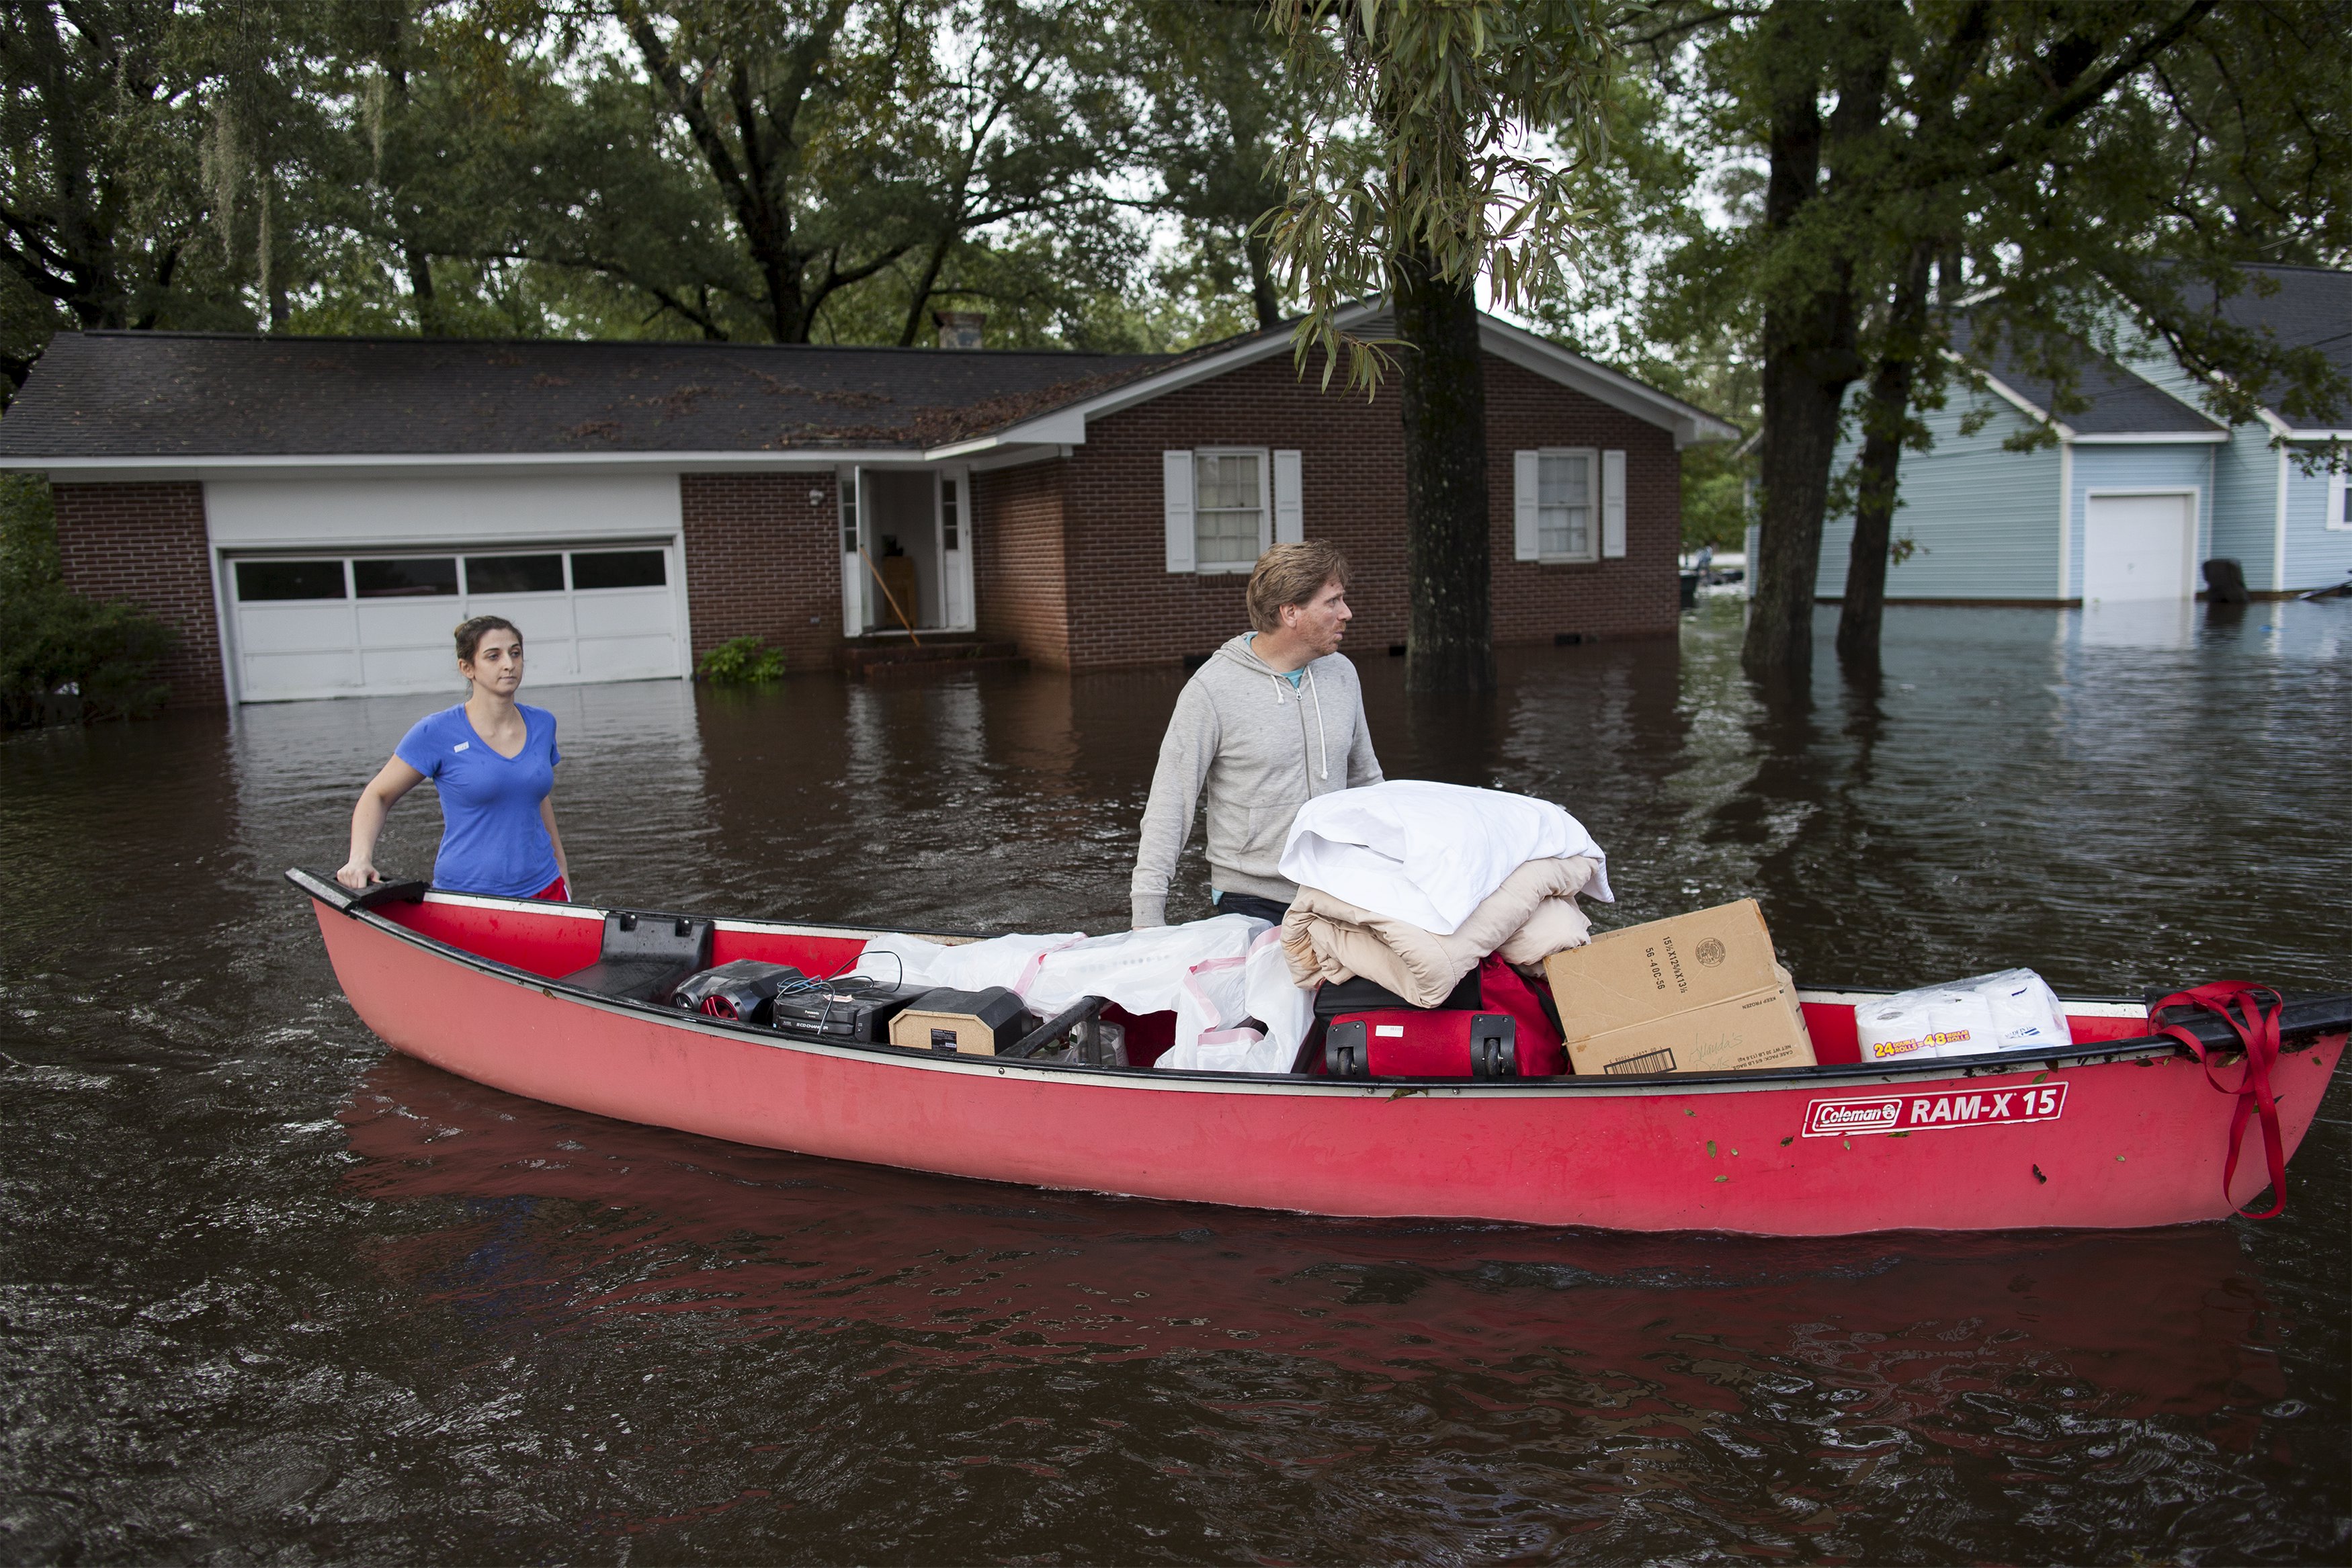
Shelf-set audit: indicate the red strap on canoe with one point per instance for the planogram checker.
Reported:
(2253, 1012)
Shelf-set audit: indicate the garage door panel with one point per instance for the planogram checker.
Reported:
(2137, 548)
(411, 669)
(628, 612)
(278, 676)
(410, 624)
(536, 615)
(628, 658)
(295, 628)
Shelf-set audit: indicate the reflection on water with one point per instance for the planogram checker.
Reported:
(270, 1292)
(2165, 623)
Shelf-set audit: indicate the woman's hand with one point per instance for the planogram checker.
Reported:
(356, 874)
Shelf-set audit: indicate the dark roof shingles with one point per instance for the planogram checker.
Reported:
(2121, 403)
(119, 394)
(2301, 307)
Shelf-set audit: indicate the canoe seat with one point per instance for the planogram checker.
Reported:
(644, 956)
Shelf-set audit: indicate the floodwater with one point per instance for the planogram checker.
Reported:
(270, 1293)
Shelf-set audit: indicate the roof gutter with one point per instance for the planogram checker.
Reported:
(2152, 438)
(275, 465)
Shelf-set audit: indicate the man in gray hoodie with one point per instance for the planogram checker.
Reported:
(1274, 718)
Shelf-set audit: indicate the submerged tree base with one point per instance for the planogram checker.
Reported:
(1451, 645)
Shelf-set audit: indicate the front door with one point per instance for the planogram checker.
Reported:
(906, 550)
(854, 591)
(955, 520)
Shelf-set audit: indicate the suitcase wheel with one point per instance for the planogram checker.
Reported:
(1493, 1047)
(1345, 1053)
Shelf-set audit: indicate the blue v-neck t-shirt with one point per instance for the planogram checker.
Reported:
(492, 839)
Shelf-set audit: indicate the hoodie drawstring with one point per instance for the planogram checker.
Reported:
(1322, 741)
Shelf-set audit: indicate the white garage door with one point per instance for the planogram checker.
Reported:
(317, 625)
(2138, 548)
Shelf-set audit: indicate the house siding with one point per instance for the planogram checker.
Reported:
(146, 544)
(2316, 555)
(1987, 521)
(762, 562)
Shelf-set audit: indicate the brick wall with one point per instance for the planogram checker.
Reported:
(762, 562)
(146, 544)
(1637, 595)
(1124, 608)
(1022, 594)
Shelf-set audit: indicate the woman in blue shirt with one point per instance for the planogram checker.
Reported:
(493, 760)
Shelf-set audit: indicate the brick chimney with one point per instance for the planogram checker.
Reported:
(959, 329)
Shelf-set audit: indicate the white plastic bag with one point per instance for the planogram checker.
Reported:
(1009, 961)
(2014, 1010)
(1214, 975)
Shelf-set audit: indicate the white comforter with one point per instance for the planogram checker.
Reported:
(1429, 853)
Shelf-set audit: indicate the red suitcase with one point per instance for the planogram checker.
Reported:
(1418, 1042)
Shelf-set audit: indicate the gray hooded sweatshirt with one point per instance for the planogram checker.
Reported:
(1259, 750)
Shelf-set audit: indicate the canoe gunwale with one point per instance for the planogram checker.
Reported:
(2148, 1049)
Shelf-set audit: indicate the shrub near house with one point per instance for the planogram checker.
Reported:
(63, 656)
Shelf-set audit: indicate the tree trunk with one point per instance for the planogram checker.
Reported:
(1811, 331)
(923, 287)
(1444, 388)
(420, 289)
(1258, 250)
(1884, 413)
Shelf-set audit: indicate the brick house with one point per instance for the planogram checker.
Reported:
(313, 515)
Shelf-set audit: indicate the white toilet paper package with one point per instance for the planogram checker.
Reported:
(2015, 1009)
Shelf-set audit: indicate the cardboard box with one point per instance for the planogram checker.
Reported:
(1696, 993)
(976, 1023)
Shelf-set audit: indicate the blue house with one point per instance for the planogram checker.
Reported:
(2137, 489)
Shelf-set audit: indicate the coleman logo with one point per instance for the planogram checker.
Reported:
(1904, 1113)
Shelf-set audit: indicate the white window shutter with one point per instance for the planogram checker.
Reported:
(1289, 525)
(1613, 504)
(1176, 484)
(1523, 506)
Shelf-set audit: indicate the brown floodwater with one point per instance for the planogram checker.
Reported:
(268, 1292)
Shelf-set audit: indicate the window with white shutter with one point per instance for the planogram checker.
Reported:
(1232, 509)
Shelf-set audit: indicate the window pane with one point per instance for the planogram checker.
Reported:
(1227, 518)
(618, 568)
(258, 581)
(1228, 480)
(514, 574)
(421, 577)
(1564, 530)
(1227, 537)
(1563, 481)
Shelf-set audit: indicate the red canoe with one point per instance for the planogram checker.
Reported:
(2123, 1131)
